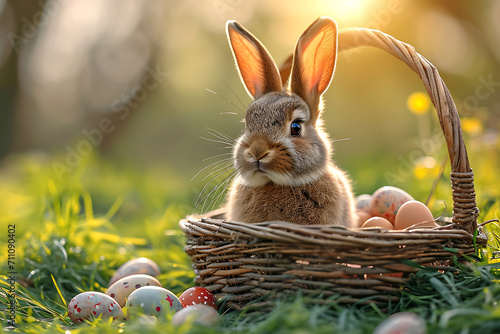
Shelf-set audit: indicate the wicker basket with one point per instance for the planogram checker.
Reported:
(241, 262)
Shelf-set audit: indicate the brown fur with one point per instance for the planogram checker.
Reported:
(284, 176)
(319, 203)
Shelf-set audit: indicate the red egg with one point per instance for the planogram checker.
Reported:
(197, 295)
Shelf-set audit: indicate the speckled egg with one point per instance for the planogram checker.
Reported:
(153, 301)
(89, 305)
(141, 265)
(386, 202)
(121, 289)
(403, 322)
(362, 202)
(199, 313)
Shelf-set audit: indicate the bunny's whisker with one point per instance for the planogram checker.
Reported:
(342, 139)
(217, 156)
(198, 200)
(220, 135)
(221, 188)
(226, 99)
(218, 141)
(243, 108)
(223, 166)
(210, 165)
(205, 198)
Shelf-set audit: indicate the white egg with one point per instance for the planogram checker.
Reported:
(199, 313)
(141, 265)
(403, 322)
(362, 202)
(153, 301)
(121, 289)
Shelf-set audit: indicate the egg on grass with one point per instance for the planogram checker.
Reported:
(152, 301)
(121, 289)
(200, 313)
(141, 265)
(91, 304)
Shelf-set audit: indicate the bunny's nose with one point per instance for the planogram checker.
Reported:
(258, 151)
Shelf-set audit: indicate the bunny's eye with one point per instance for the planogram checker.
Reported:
(295, 129)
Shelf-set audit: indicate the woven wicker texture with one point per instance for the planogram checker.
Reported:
(241, 262)
(464, 198)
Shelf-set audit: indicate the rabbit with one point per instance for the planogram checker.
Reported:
(283, 157)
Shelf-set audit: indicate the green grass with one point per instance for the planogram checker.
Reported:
(72, 233)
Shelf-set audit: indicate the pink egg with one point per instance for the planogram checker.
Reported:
(414, 214)
(386, 202)
(362, 217)
(378, 222)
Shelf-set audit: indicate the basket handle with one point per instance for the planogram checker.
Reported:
(465, 211)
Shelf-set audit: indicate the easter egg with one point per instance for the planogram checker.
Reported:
(362, 217)
(386, 202)
(402, 322)
(362, 202)
(414, 213)
(153, 301)
(121, 289)
(141, 265)
(89, 305)
(197, 295)
(199, 313)
(378, 222)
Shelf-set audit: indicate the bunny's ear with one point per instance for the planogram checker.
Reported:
(256, 67)
(314, 62)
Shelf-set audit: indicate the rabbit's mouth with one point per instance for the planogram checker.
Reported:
(255, 178)
(260, 167)
(260, 174)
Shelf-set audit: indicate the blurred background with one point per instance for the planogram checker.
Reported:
(139, 82)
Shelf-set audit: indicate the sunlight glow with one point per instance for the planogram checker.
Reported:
(352, 4)
(352, 8)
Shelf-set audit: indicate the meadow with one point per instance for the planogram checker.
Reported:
(73, 231)
(111, 137)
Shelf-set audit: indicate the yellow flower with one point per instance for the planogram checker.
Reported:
(425, 167)
(472, 126)
(418, 103)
